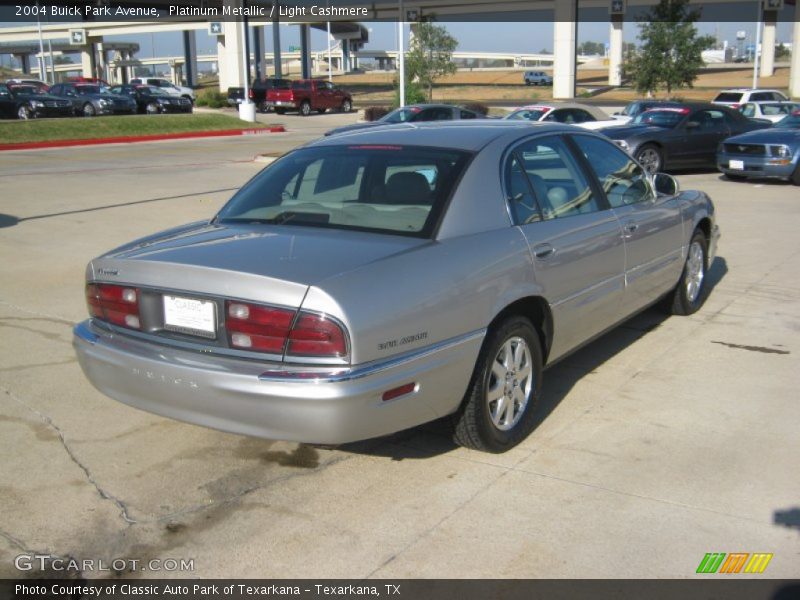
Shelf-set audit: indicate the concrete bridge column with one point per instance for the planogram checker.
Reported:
(564, 35)
(259, 54)
(794, 73)
(345, 56)
(305, 51)
(276, 42)
(24, 63)
(231, 61)
(768, 44)
(190, 57)
(615, 51)
(88, 60)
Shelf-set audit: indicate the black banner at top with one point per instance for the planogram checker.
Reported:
(315, 11)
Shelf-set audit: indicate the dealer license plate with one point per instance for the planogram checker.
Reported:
(190, 316)
(738, 165)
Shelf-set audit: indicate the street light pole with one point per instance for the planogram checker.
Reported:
(758, 43)
(401, 55)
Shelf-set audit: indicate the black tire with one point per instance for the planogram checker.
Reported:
(651, 158)
(88, 110)
(527, 82)
(305, 108)
(685, 301)
(474, 425)
(346, 106)
(24, 112)
(795, 178)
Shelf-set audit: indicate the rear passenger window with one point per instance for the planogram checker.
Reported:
(524, 208)
(466, 114)
(557, 182)
(623, 180)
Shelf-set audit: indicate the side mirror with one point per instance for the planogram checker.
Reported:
(666, 185)
(693, 125)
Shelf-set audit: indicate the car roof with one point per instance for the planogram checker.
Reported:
(744, 89)
(466, 135)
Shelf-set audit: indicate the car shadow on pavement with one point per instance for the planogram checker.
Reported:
(434, 439)
(788, 518)
(756, 180)
(8, 220)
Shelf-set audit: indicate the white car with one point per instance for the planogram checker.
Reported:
(771, 111)
(738, 96)
(569, 113)
(167, 86)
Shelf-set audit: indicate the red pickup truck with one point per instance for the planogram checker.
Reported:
(307, 95)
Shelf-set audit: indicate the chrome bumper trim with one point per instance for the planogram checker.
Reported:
(340, 375)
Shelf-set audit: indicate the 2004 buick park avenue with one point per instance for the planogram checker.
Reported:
(373, 281)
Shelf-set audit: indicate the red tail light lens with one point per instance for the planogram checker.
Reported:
(315, 335)
(259, 328)
(116, 304)
(250, 94)
(267, 329)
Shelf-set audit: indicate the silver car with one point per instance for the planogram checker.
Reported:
(373, 281)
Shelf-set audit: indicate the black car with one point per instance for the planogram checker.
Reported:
(414, 113)
(637, 107)
(258, 93)
(91, 99)
(27, 102)
(683, 136)
(151, 100)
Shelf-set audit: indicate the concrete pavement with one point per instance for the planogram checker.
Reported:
(665, 439)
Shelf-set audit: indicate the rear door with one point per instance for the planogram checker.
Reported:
(651, 225)
(574, 238)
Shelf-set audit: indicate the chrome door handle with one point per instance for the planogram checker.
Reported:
(543, 250)
(630, 227)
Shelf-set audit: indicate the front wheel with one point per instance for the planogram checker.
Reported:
(497, 412)
(689, 294)
(24, 112)
(795, 179)
(88, 110)
(347, 106)
(650, 157)
(151, 108)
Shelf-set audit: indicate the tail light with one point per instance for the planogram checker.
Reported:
(273, 330)
(116, 304)
(250, 94)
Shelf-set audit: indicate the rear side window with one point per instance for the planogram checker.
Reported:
(728, 97)
(556, 179)
(386, 189)
(623, 180)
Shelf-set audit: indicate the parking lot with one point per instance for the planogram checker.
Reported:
(666, 439)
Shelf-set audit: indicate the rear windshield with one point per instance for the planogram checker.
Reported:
(388, 189)
(667, 118)
(528, 114)
(728, 97)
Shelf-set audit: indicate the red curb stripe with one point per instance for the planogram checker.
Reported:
(130, 139)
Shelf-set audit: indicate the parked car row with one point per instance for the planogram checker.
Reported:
(30, 99)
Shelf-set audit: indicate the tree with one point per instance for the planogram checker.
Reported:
(782, 52)
(62, 60)
(670, 53)
(591, 48)
(430, 56)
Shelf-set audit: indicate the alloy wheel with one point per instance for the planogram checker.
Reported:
(510, 383)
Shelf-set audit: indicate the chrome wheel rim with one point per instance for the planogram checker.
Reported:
(88, 110)
(650, 160)
(151, 109)
(306, 109)
(695, 271)
(23, 112)
(510, 383)
(346, 106)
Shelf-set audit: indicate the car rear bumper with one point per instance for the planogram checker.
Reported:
(273, 401)
(281, 103)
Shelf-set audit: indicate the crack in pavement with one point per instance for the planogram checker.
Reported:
(105, 495)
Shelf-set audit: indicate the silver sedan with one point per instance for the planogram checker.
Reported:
(373, 281)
